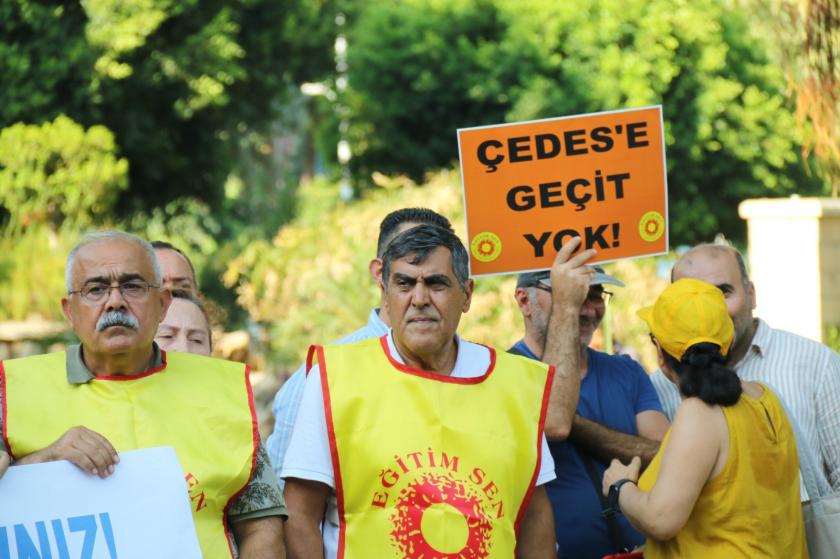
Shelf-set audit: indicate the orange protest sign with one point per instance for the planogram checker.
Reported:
(530, 186)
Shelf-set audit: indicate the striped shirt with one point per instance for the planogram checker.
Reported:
(802, 372)
(287, 400)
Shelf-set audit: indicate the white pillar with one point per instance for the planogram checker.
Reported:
(794, 260)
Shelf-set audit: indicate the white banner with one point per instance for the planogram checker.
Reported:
(58, 511)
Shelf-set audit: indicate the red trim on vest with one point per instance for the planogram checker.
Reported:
(255, 434)
(138, 375)
(5, 414)
(383, 341)
(309, 354)
(543, 411)
(339, 487)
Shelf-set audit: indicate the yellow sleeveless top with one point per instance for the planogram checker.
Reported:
(751, 509)
(429, 465)
(202, 407)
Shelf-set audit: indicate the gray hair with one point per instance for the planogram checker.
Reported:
(419, 242)
(109, 235)
(418, 216)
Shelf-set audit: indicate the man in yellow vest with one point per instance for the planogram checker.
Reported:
(420, 443)
(118, 391)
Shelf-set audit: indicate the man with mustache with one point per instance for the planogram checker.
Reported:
(618, 416)
(118, 391)
(421, 443)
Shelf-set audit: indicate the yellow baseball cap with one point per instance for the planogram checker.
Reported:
(689, 312)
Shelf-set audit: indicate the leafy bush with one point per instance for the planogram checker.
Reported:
(58, 172)
(32, 272)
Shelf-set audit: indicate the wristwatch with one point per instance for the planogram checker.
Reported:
(612, 494)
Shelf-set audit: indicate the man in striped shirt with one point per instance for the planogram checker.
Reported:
(804, 373)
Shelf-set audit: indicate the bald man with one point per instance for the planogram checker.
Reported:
(805, 373)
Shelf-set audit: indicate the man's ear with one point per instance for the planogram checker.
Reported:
(523, 300)
(751, 295)
(468, 290)
(375, 268)
(65, 308)
(165, 301)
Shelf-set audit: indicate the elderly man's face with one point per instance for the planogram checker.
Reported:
(425, 302)
(176, 271)
(590, 316)
(719, 267)
(118, 323)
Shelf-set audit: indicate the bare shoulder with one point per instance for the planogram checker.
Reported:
(696, 416)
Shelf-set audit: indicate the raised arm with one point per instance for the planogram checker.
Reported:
(697, 446)
(570, 279)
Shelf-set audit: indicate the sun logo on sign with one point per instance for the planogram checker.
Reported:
(439, 517)
(486, 246)
(651, 226)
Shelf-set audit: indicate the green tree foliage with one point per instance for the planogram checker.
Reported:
(45, 61)
(421, 69)
(58, 173)
(417, 71)
(806, 37)
(56, 179)
(32, 272)
(176, 82)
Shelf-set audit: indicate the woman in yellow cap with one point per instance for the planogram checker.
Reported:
(725, 482)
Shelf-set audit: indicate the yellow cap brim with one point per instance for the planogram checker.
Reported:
(646, 314)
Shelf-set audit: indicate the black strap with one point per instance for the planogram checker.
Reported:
(606, 510)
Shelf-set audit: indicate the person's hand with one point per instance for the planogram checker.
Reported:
(570, 276)
(86, 449)
(618, 471)
(4, 462)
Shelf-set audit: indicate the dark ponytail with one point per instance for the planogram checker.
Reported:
(703, 373)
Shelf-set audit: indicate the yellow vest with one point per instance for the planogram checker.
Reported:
(200, 406)
(752, 507)
(425, 462)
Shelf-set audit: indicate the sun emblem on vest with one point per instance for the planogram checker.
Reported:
(431, 502)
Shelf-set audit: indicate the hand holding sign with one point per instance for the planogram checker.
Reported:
(79, 445)
(570, 277)
(55, 510)
(4, 462)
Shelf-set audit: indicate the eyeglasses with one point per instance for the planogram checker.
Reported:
(134, 290)
(593, 297)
